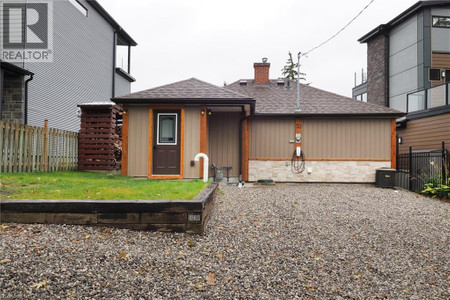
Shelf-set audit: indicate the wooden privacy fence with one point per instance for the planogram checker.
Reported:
(26, 148)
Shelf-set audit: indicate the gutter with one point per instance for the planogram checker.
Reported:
(309, 115)
(114, 64)
(25, 111)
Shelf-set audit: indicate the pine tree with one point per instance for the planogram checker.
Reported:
(290, 69)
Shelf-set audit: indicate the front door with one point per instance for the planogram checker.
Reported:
(166, 142)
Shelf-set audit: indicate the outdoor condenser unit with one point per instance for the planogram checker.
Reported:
(385, 178)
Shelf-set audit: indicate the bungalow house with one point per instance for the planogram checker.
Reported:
(253, 128)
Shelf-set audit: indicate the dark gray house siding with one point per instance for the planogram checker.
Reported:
(400, 53)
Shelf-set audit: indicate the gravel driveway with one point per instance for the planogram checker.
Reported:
(286, 242)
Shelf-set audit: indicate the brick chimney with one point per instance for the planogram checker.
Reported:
(262, 71)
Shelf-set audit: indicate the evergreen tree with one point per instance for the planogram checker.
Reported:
(290, 69)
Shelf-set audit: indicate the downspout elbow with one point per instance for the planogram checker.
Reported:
(25, 110)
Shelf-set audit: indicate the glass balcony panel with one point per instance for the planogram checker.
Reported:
(436, 96)
(416, 101)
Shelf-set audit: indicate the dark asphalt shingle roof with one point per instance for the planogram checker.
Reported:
(272, 98)
(192, 88)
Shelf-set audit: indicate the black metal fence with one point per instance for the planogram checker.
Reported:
(415, 169)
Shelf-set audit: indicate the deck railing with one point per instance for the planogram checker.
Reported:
(429, 98)
(26, 148)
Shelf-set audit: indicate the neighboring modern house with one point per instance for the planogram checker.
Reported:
(253, 126)
(408, 61)
(91, 63)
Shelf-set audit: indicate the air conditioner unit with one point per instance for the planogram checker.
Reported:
(385, 178)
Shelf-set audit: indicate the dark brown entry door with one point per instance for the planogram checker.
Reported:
(166, 142)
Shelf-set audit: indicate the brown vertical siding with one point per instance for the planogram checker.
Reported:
(425, 134)
(347, 138)
(138, 141)
(442, 61)
(269, 138)
(191, 140)
(223, 140)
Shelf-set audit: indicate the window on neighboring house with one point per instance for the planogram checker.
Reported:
(447, 75)
(362, 97)
(434, 74)
(80, 7)
(443, 22)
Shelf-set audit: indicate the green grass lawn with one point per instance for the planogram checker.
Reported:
(90, 185)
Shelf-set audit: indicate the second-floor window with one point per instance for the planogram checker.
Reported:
(442, 22)
(362, 97)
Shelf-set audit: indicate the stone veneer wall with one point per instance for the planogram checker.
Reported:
(13, 99)
(377, 70)
(322, 171)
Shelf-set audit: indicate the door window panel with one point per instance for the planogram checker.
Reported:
(167, 129)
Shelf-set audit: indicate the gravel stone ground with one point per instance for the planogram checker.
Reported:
(281, 242)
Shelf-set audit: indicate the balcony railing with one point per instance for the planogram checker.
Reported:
(428, 98)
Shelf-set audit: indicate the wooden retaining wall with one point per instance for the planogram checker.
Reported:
(188, 216)
(26, 148)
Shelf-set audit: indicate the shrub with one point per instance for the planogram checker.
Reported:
(440, 190)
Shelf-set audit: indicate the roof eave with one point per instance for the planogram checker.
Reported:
(215, 101)
(15, 69)
(380, 29)
(400, 18)
(112, 22)
(332, 115)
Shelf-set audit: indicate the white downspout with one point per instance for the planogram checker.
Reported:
(205, 164)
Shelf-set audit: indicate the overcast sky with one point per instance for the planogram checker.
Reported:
(218, 41)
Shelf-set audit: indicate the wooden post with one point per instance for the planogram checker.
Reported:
(393, 144)
(182, 142)
(21, 148)
(45, 150)
(298, 130)
(124, 166)
(150, 143)
(245, 149)
(6, 147)
(203, 136)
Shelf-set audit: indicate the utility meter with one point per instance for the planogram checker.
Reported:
(298, 137)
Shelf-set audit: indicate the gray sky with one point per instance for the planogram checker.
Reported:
(218, 41)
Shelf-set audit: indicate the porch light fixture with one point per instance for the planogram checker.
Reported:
(400, 140)
(202, 111)
(209, 112)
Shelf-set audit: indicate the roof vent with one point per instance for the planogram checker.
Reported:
(243, 82)
(288, 85)
(280, 82)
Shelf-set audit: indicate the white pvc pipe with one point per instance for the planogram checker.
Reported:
(205, 164)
